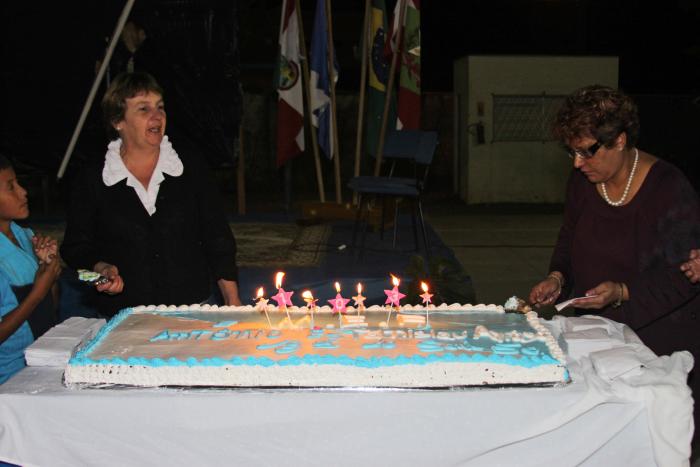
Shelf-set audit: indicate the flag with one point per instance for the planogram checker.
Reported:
(409, 94)
(320, 86)
(378, 75)
(290, 103)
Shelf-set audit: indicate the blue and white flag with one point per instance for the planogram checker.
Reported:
(320, 85)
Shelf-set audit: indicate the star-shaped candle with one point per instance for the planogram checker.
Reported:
(393, 296)
(426, 301)
(359, 299)
(310, 303)
(261, 304)
(339, 303)
(283, 298)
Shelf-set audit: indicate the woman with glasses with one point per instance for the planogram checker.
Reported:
(631, 221)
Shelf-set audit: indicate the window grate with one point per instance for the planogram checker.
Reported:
(524, 117)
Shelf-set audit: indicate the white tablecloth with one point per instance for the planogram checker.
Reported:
(602, 418)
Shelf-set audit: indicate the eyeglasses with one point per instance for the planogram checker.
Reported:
(586, 153)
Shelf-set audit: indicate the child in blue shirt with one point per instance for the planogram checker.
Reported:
(29, 268)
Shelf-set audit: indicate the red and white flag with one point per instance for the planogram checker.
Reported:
(290, 104)
(409, 95)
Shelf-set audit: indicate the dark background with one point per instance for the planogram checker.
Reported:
(210, 47)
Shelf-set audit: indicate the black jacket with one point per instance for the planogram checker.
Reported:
(172, 257)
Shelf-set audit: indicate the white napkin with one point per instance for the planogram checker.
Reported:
(56, 346)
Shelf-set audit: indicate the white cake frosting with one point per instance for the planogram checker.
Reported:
(414, 346)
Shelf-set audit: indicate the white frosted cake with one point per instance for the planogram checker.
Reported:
(414, 347)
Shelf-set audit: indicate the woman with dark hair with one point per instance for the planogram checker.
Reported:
(145, 218)
(630, 221)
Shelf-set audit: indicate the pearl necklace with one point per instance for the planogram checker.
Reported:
(627, 187)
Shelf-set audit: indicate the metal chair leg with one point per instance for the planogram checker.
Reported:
(414, 214)
(396, 221)
(381, 228)
(358, 216)
(425, 235)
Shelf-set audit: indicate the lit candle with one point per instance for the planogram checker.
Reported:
(426, 301)
(359, 299)
(393, 296)
(282, 298)
(261, 304)
(310, 303)
(339, 303)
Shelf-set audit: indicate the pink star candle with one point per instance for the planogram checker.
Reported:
(426, 301)
(283, 298)
(261, 304)
(310, 304)
(393, 296)
(339, 303)
(359, 299)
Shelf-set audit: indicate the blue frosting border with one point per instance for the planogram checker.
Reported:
(81, 357)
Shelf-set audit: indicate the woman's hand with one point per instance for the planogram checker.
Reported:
(229, 291)
(691, 268)
(45, 248)
(546, 292)
(110, 271)
(602, 295)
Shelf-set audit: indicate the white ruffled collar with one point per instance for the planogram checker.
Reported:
(114, 170)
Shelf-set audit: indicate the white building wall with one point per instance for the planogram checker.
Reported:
(516, 172)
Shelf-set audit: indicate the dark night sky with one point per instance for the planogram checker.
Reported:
(49, 48)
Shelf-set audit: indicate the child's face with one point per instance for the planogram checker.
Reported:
(13, 198)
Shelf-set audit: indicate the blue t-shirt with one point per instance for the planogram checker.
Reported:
(12, 350)
(19, 263)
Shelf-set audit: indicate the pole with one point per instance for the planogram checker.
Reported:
(334, 122)
(389, 89)
(240, 171)
(96, 84)
(363, 85)
(305, 71)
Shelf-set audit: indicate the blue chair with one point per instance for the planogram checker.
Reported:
(417, 149)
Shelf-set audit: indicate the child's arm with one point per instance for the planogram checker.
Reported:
(45, 277)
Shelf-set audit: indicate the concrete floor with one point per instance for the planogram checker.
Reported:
(505, 250)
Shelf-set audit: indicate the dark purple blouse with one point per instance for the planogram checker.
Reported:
(641, 244)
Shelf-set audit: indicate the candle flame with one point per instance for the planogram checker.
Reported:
(307, 295)
(261, 293)
(395, 280)
(278, 279)
(424, 286)
(337, 287)
(359, 288)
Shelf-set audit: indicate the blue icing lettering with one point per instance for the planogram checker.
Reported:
(274, 333)
(203, 333)
(221, 335)
(530, 351)
(282, 347)
(327, 344)
(315, 334)
(164, 335)
(224, 324)
(288, 347)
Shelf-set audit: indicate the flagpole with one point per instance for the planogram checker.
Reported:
(307, 114)
(96, 84)
(389, 89)
(363, 84)
(334, 122)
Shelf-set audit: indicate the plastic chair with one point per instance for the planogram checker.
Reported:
(417, 148)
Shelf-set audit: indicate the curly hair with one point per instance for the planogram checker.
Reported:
(600, 112)
(123, 87)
